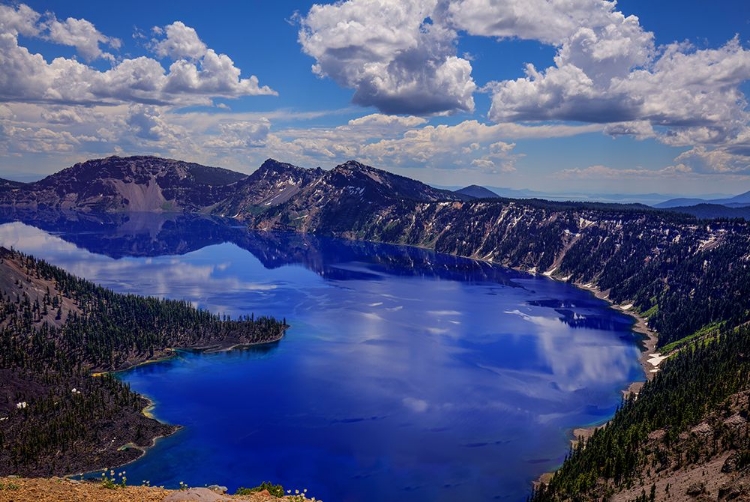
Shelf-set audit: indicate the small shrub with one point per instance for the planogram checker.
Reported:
(275, 490)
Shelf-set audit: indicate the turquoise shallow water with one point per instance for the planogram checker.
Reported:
(406, 375)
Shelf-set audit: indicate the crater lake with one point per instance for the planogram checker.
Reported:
(405, 375)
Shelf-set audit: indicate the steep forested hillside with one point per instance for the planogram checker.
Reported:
(692, 419)
(55, 330)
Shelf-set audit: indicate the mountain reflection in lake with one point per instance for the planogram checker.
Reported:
(406, 375)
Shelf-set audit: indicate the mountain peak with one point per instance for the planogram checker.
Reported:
(477, 192)
(354, 165)
(275, 167)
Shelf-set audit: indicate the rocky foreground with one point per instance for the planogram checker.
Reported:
(13, 489)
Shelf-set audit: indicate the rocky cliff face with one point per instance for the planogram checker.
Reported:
(337, 201)
(272, 184)
(680, 273)
(126, 184)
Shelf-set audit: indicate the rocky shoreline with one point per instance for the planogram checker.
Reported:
(649, 360)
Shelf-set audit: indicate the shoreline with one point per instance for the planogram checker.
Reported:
(649, 359)
(171, 353)
(650, 337)
(147, 411)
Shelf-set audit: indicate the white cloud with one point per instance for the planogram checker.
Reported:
(691, 91)
(20, 20)
(380, 120)
(549, 21)
(702, 159)
(61, 115)
(180, 42)
(607, 70)
(146, 123)
(242, 135)
(640, 129)
(605, 172)
(82, 35)
(44, 140)
(583, 84)
(394, 54)
(28, 77)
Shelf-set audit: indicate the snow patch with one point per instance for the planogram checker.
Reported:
(656, 359)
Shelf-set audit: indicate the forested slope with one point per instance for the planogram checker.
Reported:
(55, 330)
(694, 412)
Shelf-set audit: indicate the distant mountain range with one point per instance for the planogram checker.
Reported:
(741, 200)
(152, 184)
(732, 207)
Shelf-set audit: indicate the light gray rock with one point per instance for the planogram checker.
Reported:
(196, 495)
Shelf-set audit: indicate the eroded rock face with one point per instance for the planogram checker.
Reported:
(132, 184)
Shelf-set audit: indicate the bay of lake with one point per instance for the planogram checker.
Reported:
(405, 376)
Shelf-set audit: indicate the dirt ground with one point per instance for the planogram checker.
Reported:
(14, 489)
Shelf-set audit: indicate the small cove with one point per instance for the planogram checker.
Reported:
(406, 375)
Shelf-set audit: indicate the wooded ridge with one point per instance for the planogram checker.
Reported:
(55, 331)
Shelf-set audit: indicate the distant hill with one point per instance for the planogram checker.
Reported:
(344, 191)
(477, 192)
(741, 200)
(706, 211)
(6, 185)
(681, 202)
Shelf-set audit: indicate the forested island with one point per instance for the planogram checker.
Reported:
(61, 410)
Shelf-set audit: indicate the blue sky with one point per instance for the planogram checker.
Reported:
(564, 96)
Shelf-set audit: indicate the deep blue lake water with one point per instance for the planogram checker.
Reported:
(405, 375)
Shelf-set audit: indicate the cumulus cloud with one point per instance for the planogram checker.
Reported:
(242, 134)
(396, 55)
(40, 140)
(549, 21)
(583, 84)
(719, 160)
(196, 76)
(19, 20)
(62, 115)
(469, 143)
(146, 123)
(401, 57)
(380, 120)
(180, 42)
(607, 70)
(82, 35)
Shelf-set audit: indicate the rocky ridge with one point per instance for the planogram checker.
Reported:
(126, 184)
